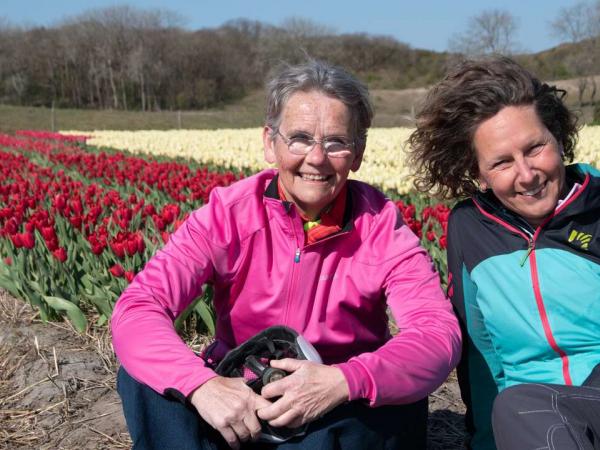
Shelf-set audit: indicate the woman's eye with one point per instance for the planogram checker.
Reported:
(300, 139)
(500, 164)
(535, 149)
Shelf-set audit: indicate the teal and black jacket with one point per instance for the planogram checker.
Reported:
(528, 299)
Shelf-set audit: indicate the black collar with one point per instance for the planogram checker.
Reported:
(490, 203)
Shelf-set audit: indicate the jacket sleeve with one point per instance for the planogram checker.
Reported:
(144, 337)
(478, 365)
(419, 358)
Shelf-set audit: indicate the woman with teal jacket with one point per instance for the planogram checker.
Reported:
(523, 254)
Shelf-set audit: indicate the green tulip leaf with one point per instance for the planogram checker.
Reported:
(73, 312)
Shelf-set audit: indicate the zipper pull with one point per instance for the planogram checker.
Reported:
(527, 253)
(297, 255)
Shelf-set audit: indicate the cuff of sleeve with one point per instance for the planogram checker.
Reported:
(360, 382)
(186, 388)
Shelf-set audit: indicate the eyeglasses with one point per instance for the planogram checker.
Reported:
(333, 146)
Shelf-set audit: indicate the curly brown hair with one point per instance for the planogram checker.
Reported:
(441, 148)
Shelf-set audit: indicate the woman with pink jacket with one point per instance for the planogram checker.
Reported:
(300, 246)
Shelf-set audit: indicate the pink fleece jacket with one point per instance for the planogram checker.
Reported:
(249, 245)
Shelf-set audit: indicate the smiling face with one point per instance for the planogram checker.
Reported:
(313, 180)
(520, 160)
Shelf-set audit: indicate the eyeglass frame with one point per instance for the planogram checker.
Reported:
(313, 142)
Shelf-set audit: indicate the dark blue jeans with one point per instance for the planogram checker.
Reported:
(160, 422)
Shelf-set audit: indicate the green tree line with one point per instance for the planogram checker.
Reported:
(131, 59)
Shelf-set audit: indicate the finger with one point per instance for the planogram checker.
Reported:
(275, 410)
(241, 431)
(297, 422)
(276, 388)
(261, 402)
(287, 419)
(253, 425)
(287, 364)
(230, 437)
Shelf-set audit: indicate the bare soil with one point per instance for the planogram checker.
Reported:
(56, 385)
(57, 388)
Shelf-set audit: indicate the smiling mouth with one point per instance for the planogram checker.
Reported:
(534, 192)
(313, 177)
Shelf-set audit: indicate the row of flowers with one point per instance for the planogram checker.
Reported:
(383, 166)
(77, 223)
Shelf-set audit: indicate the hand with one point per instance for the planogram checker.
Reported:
(229, 406)
(310, 391)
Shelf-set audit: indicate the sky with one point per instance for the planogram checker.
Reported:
(420, 23)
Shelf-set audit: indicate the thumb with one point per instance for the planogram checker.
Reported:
(287, 364)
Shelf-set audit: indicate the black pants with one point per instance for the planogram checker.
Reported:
(547, 416)
(159, 422)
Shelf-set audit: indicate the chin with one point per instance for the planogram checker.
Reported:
(536, 216)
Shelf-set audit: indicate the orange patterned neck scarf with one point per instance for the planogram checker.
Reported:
(330, 221)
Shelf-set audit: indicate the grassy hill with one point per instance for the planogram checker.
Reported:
(393, 108)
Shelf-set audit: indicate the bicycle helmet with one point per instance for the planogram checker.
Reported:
(251, 361)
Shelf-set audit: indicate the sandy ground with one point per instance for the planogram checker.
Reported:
(57, 388)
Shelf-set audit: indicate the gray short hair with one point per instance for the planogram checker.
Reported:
(323, 77)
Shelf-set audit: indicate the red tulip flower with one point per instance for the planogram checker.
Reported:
(443, 242)
(131, 247)
(28, 240)
(48, 233)
(52, 243)
(16, 240)
(117, 270)
(118, 249)
(129, 275)
(60, 254)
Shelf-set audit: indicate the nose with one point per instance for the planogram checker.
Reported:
(316, 155)
(525, 172)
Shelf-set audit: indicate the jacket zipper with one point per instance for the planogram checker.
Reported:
(297, 253)
(530, 248)
(539, 300)
(293, 275)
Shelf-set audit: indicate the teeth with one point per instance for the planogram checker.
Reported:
(532, 192)
(312, 177)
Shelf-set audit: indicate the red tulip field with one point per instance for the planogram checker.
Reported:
(76, 224)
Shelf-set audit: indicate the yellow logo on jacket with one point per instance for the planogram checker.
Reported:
(578, 237)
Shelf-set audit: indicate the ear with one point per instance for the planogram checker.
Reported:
(483, 185)
(358, 159)
(481, 180)
(269, 146)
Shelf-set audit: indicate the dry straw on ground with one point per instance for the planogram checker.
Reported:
(57, 388)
